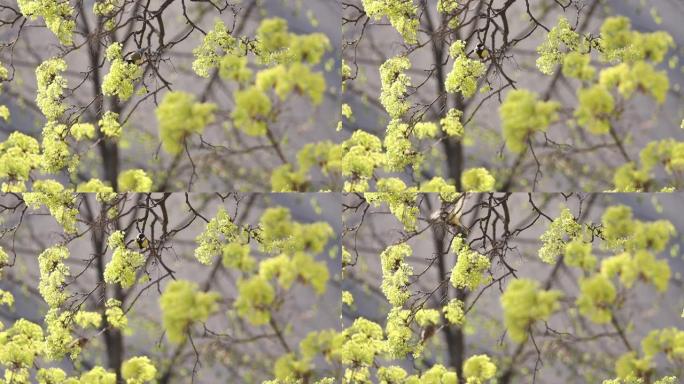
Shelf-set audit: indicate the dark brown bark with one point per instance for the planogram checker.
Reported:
(113, 338)
(454, 337)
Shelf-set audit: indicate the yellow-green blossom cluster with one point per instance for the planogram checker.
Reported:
(361, 343)
(20, 345)
(293, 56)
(399, 149)
(453, 312)
(236, 255)
(451, 123)
(295, 77)
(290, 369)
(347, 111)
(59, 201)
(6, 298)
(427, 317)
(86, 319)
(478, 369)
(252, 109)
(278, 233)
(438, 374)
(56, 154)
(396, 273)
(217, 43)
(425, 129)
(561, 230)
(346, 72)
(399, 334)
(668, 153)
(325, 156)
(347, 298)
(448, 7)
(560, 41)
(400, 198)
(578, 254)
(618, 42)
(210, 242)
(621, 231)
(4, 260)
(97, 375)
(401, 14)
(299, 267)
(53, 375)
(577, 65)
(595, 109)
(134, 180)
(522, 114)
(641, 265)
(669, 341)
(19, 155)
(325, 342)
(394, 83)
(138, 370)
(254, 300)
(107, 9)
(447, 192)
(4, 111)
(597, 294)
(81, 131)
(638, 240)
(53, 275)
(123, 267)
(362, 154)
(50, 87)
(59, 340)
(183, 304)
(109, 125)
(470, 266)
(477, 180)
(179, 116)
(122, 74)
(291, 245)
(276, 44)
(116, 317)
(631, 368)
(523, 303)
(465, 72)
(102, 190)
(57, 15)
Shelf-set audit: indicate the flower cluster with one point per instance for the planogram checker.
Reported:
(183, 304)
(180, 116)
(123, 267)
(122, 74)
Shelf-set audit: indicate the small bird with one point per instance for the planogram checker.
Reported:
(142, 241)
(482, 51)
(427, 333)
(136, 57)
(80, 343)
(450, 213)
(453, 216)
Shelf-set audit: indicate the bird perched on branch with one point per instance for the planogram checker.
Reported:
(142, 241)
(482, 51)
(450, 213)
(427, 333)
(136, 57)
